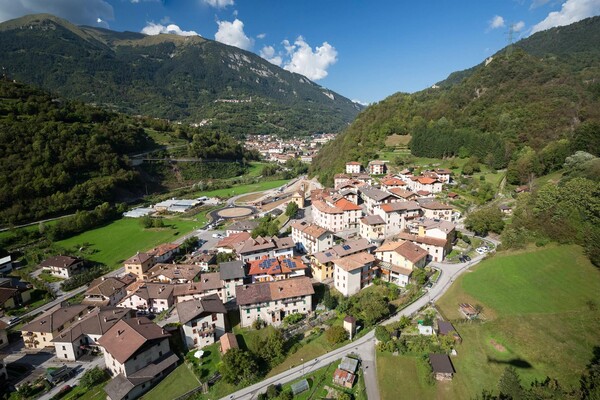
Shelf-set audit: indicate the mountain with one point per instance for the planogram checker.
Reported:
(529, 95)
(220, 87)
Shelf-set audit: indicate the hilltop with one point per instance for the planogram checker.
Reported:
(541, 89)
(190, 79)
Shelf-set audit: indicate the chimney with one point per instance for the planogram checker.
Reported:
(139, 321)
(105, 319)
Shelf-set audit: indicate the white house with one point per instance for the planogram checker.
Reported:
(62, 266)
(202, 321)
(353, 167)
(395, 215)
(353, 272)
(374, 198)
(311, 238)
(435, 210)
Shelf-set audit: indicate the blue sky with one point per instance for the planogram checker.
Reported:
(364, 50)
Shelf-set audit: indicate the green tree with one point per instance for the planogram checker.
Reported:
(273, 348)
(291, 209)
(329, 301)
(419, 276)
(336, 334)
(382, 334)
(93, 376)
(510, 385)
(484, 220)
(238, 366)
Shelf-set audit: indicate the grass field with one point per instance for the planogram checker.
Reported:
(541, 316)
(177, 383)
(113, 243)
(397, 140)
(234, 191)
(410, 385)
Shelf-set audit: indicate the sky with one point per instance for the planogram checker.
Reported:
(364, 50)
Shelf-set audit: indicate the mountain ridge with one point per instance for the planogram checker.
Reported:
(169, 76)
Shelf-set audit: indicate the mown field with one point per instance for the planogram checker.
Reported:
(540, 310)
(241, 189)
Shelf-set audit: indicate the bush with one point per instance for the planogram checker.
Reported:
(382, 334)
(293, 318)
(93, 376)
(336, 334)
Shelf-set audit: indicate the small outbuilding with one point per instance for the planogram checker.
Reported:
(228, 341)
(350, 325)
(442, 367)
(344, 378)
(446, 328)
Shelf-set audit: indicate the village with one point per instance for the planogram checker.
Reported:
(279, 149)
(372, 227)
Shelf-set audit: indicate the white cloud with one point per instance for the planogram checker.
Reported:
(261, 36)
(218, 3)
(537, 3)
(496, 22)
(75, 11)
(518, 27)
(362, 103)
(154, 29)
(268, 53)
(571, 11)
(305, 61)
(232, 33)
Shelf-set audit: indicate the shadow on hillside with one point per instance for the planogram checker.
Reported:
(515, 362)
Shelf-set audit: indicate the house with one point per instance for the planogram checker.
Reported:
(444, 175)
(396, 215)
(62, 266)
(425, 184)
(349, 364)
(241, 226)
(203, 260)
(311, 238)
(350, 194)
(435, 210)
(232, 241)
(10, 298)
(404, 194)
(150, 297)
(506, 210)
(172, 273)
(255, 249)
(40, 332)
(522, 189)
(272, 301)
(353, 167)
(321, 263)
(446, 328)
(336, 215)
(374, 198)
(435, 228)
(105, 291)
(137, 355)
(6, 264)
(353, 272)
(164, 252)
(139, 264)
(377, 167)
(437, 248)
(453, 195)
(299, 197)
(344, 378)
(3, 334)
(372, 228)
(392, 182)
(273, 269)
(228, 341)
(398, 260)
(207, 284)
(349, 325)
(202, 320)
(442, 367)
(83, 336)
(232, 274)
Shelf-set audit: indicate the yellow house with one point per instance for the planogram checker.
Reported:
(139, 264)
(40, 332)
(298, 198)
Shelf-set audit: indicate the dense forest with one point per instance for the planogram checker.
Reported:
(190, 79)
(540, 90)
(58, 156)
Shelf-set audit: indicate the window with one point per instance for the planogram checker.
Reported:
(214, 317)
(160, 353)
(64, 348)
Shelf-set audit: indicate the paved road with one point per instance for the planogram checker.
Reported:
(365, 345)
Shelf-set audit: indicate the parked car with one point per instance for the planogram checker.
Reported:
(480, 250)
(467, 258)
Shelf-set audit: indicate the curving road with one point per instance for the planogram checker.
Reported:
(365, 345)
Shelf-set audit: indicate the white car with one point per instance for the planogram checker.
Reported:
(480, 250)
(217, 235)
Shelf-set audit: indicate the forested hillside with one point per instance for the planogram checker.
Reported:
(510, 111)
(58, 156)
(193, 79)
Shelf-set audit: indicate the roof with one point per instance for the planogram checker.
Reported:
(311, 230)
(60, 261)
(443, 171)
(186, 272)
(342, 250)
(3, 325)
(411, 252)
(207, 282)
(343, 376)
(376, 162)
(324, 208)
(350, 319)
(372, 220)
(243, 225)
(386, 266)
(52, 319)
(139, 258)
(354, 261)
(228, 341)
(402, 192)
(151, 290)
(376, 194)
(400, 206)
(440, 363)
(126, 337)
(349, 364)
(275, 290)
(232, 270)
(346, 205)
(441, 224)
(192, 309)
(435, 205)
(163, 249)
(445, 327)
(388, 246)
(233, 240)
(105, 286)
(425, 180)
(97, 322)
(392, 182)
(422, 239)
(7, 293)
(353, 163)
(275, 266)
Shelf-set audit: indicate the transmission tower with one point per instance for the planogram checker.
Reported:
(510, 35)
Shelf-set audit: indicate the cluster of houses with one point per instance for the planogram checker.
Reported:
(278, 149)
